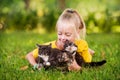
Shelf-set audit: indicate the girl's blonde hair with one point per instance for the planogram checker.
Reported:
(72, 16)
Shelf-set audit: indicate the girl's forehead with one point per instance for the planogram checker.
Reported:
(66, 26)
(65, 29)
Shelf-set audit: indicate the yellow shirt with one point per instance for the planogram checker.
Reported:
(82, 49)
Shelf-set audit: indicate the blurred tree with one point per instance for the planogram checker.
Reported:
(17, 15)
(61, 4)
(52, 10)
(5, 6)
(26, 14)
(27, 4)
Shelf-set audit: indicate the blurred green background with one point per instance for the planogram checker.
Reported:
(23, 23)
(101, 16)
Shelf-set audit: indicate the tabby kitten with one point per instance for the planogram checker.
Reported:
(72, 49)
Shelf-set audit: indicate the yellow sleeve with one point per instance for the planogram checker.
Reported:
(53, 44)
(35, 53)
(83, 50)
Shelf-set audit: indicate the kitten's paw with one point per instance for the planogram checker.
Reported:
(47, 63)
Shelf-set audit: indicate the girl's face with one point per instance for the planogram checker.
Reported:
(65, 33)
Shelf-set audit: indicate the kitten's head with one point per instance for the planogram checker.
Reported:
(44, 49)
(70, 46)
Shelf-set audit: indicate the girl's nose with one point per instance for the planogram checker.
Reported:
(63, 38)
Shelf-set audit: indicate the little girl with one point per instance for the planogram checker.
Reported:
(70, 26)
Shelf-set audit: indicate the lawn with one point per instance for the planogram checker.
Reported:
(14, 46)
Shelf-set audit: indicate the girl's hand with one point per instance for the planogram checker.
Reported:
(37, 67)
(74, 66)
(91, 51)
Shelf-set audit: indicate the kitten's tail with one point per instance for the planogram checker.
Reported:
(95, 64)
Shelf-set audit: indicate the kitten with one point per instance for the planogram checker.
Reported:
(52, 57)
(72, 49)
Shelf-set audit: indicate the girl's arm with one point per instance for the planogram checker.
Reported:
(74, 66)
(31, 58)
(83, 50)
(91, 51)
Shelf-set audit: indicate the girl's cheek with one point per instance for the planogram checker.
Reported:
(71, 39)
(59, 38)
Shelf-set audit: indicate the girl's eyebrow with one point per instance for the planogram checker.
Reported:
(65, 32)
(68, 32)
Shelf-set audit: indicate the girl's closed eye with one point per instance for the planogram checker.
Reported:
(59, 33)
(68, 34)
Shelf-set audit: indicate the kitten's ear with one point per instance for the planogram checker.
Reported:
(50, 44)
(38, 45)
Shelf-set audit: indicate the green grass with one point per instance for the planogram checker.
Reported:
(14, 46)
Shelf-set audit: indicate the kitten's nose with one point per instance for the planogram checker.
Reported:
(70, 48)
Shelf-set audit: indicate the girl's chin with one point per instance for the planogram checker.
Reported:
(61, 45)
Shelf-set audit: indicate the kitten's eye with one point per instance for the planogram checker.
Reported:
(70, 43)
